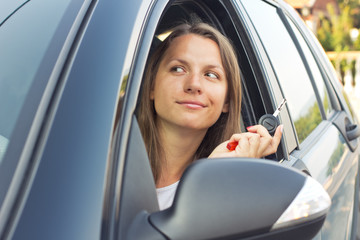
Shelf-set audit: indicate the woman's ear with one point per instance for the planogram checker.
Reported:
(151, 94)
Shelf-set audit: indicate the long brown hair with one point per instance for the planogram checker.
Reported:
(227, 124)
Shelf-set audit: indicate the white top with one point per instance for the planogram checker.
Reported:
(166, 195)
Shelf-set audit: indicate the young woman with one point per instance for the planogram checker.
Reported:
(190, 107)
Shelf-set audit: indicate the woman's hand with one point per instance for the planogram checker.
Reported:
(255, 143)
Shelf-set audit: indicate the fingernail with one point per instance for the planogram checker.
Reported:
(249, 128)
(281, 128)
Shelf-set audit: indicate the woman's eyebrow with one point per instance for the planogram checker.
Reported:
(216, 66)
(177, 60)
(171, 61)
(208, 66)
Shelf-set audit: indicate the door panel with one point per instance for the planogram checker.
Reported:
(331, 162)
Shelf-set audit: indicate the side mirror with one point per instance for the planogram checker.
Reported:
(239, 198)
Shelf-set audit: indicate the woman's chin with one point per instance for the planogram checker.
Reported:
(186, 123)
(195, 125)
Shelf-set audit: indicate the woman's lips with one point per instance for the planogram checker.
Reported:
(192, 104)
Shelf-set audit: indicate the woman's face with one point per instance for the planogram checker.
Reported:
(190, 86)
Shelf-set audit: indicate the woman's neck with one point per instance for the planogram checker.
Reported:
(179, 146)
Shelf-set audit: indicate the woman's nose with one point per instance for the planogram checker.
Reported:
(193, 84)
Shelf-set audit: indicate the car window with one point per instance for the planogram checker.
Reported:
(288, 65)
(254, 89)
(211, 13)
(317, 75)
(21, 55)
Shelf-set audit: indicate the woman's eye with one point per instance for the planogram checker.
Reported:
(212, 75)
(177, 69)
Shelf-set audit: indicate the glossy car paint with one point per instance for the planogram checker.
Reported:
(71, 157)
(67, 179)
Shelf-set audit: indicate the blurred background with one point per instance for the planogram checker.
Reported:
(336, 24)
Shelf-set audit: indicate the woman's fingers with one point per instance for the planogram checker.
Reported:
(265, 139)
(237, 136)
(278, 134)
(259, 129)
(275, 141)
(247, 144)
(257, 142)
(253, 142)
(243, 144)
(268, 144)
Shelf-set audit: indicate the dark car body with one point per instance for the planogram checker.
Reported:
(73, 162)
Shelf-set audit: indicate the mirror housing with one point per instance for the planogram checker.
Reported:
(240, 198)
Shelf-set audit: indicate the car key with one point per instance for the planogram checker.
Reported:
(270, 122)
(279, 108)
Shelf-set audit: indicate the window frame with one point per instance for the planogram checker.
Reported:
(303, 59)
(148, 17)
(268, 77)
(314, 46)
(333, 98)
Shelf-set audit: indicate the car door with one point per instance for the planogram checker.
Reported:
(59, 168)
(316, 140)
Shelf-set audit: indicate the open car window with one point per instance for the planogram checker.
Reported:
(216, 14)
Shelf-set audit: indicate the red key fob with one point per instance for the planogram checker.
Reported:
(231, 146)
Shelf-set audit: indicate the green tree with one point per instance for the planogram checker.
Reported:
(334, 33)
(354, 10)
